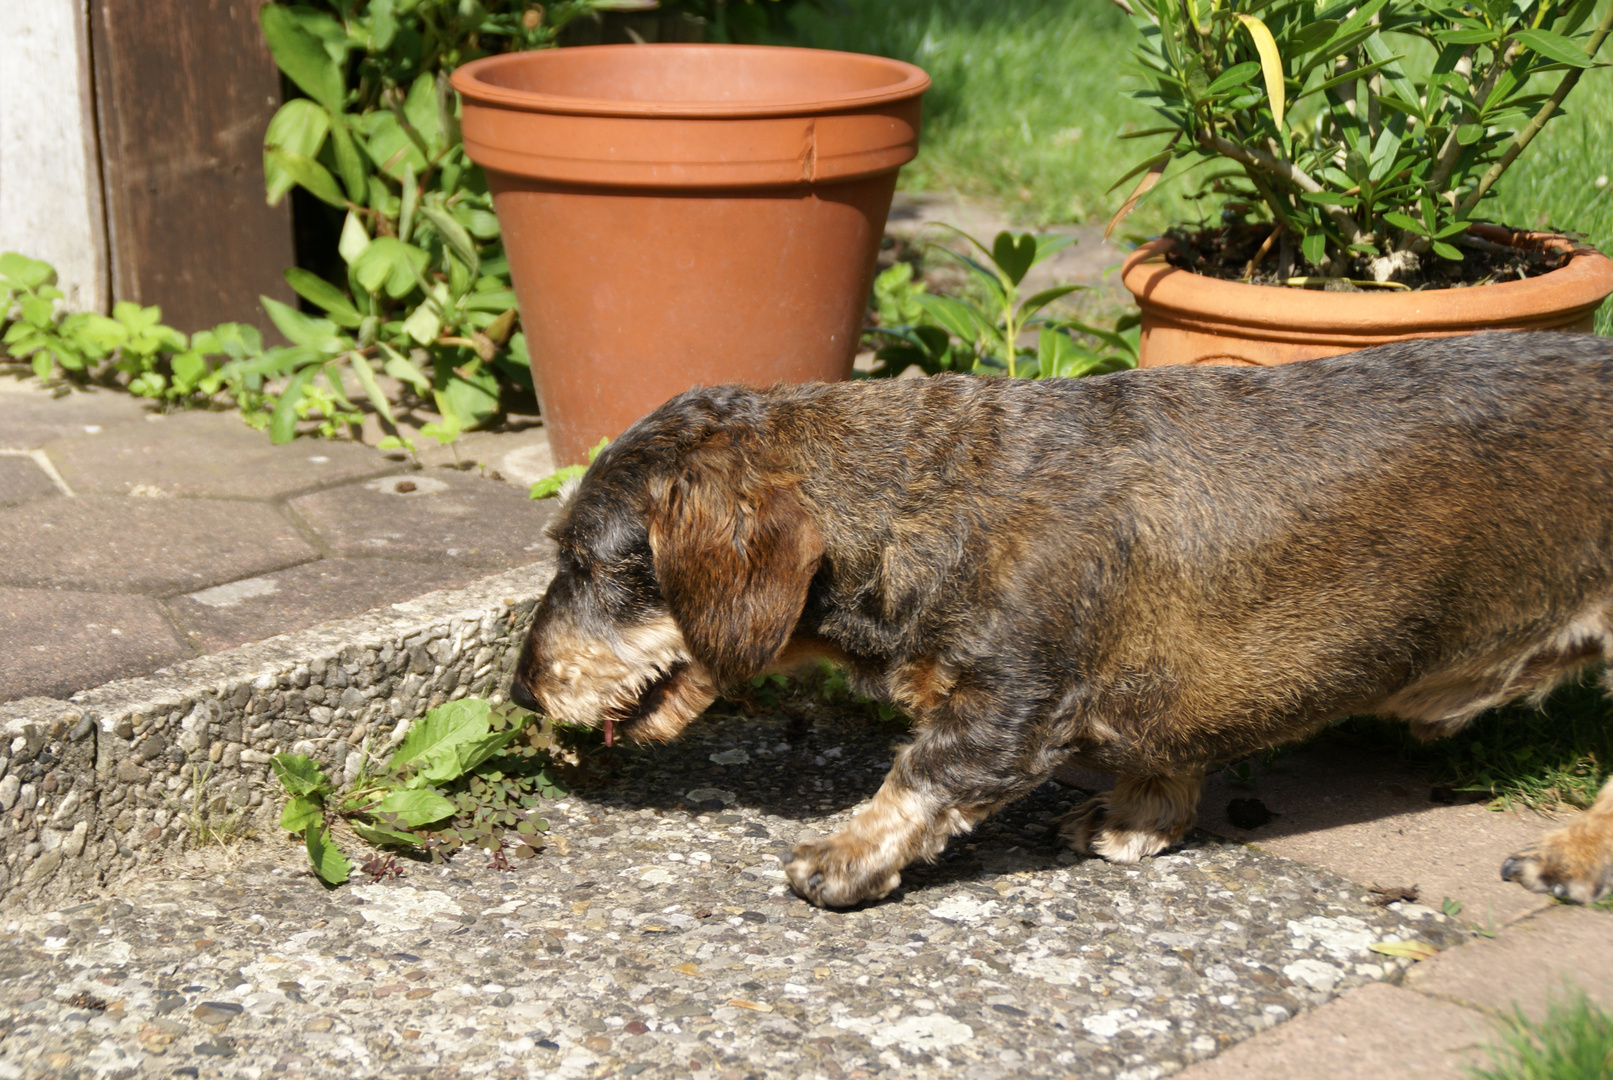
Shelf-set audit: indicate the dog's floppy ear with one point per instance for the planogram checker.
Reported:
(734, 555)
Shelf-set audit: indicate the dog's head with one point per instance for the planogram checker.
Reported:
(685, 555)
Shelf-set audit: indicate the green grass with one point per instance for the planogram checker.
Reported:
(1573, 1042)
(1028, 105)
(1555, 756)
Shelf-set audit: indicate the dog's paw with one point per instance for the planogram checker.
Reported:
(1098, 828)
(838, 872)
(1572, 863)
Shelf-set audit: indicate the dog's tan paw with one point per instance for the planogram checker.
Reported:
(838, 872)
(1139, 818)
(1572, 863)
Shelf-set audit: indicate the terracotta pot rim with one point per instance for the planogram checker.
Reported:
(476, 81)
(1170, 291)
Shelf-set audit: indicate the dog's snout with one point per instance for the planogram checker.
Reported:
(524, 697)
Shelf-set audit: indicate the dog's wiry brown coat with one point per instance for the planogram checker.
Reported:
(1141, 573)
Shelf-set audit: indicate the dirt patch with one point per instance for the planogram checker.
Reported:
(1241, 252)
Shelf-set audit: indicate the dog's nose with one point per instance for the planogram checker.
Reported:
(523, 697)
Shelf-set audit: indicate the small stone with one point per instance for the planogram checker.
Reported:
(636, 1027)
(319, 1023)
(501, 1000)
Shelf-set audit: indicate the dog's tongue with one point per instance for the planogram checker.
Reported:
(610, 731)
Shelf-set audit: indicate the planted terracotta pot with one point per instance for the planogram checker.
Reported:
(1189, 318)
(683, 215)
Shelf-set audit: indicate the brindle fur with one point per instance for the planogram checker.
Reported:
(1141, 574)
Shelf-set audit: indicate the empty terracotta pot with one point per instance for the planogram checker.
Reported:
(1188, 318)
(684, 215)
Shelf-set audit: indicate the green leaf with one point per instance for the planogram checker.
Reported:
(388, 263)
(420, 109)
(424, 324)
(1271, 64)
(454, 235)
(1040, 300)
(550, 485)
(1415, 950)
(354, 239)
(300, 813)
(433, 736)
(355, 177)
(300, 127)
(1405, 221)
(470, 400)
(958, 318)
(317, 290)
(1314, 247)
(389, 146)
(1234, 76)
(328, 862)
(299, 774)
(381, 836)
(1446, 251)
(1014, 254)
(400, 367)
(283, 424)
(417, 806)
(24, 273)
(372, 389)
(473, 754)
(308, 173)
(302, 55)
(305, 330)
(1554, 47)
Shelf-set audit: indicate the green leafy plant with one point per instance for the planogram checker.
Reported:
(550, 485)
(1370, 133)
(982, 334)
(426, 297)
(466, 774)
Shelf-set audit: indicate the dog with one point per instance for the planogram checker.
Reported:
(1141, 573)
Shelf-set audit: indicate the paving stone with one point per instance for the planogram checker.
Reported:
(433, 514)
(255, 608)
(22, 480)
(209, 454)
(1527, 963)
(31, 417)
(109, 543)
(56, 642)
(1378, 1031)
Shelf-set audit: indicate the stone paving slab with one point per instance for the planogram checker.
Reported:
(655, 937)
(58, 641)
(1373, 822)
(109, 543)
(35, 416)
(22, 480)
(251, 609)
(204, 454)
(1529, 962)
(440, 514)
(1383, 1032)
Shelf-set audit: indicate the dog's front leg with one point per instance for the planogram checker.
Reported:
(1574, 862)
(940, 785)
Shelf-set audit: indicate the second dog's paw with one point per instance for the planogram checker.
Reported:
(1573, 863)
(835, 872)
(1097, 828)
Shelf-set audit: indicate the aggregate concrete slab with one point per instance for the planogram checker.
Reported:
(655, 937)
(254, 608)
(56, 641)
(1379, 1031)
(208, 454)
(1563, 947)
(22, 480)
(112, 543)
(437, 514)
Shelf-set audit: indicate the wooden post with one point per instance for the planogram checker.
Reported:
(50, 174)
(184, 92)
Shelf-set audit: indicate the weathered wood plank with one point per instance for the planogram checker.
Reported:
(185, 89)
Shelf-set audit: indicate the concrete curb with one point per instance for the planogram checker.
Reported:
(96, 785)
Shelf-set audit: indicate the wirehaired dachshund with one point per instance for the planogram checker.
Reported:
(1141, 573)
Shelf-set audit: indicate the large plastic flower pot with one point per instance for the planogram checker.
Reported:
(686, 215)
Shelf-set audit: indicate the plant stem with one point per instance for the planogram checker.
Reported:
(1286, 170)
(1524, 137)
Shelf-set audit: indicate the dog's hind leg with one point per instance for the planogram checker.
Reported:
(1142, 816)
(1574, 862)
